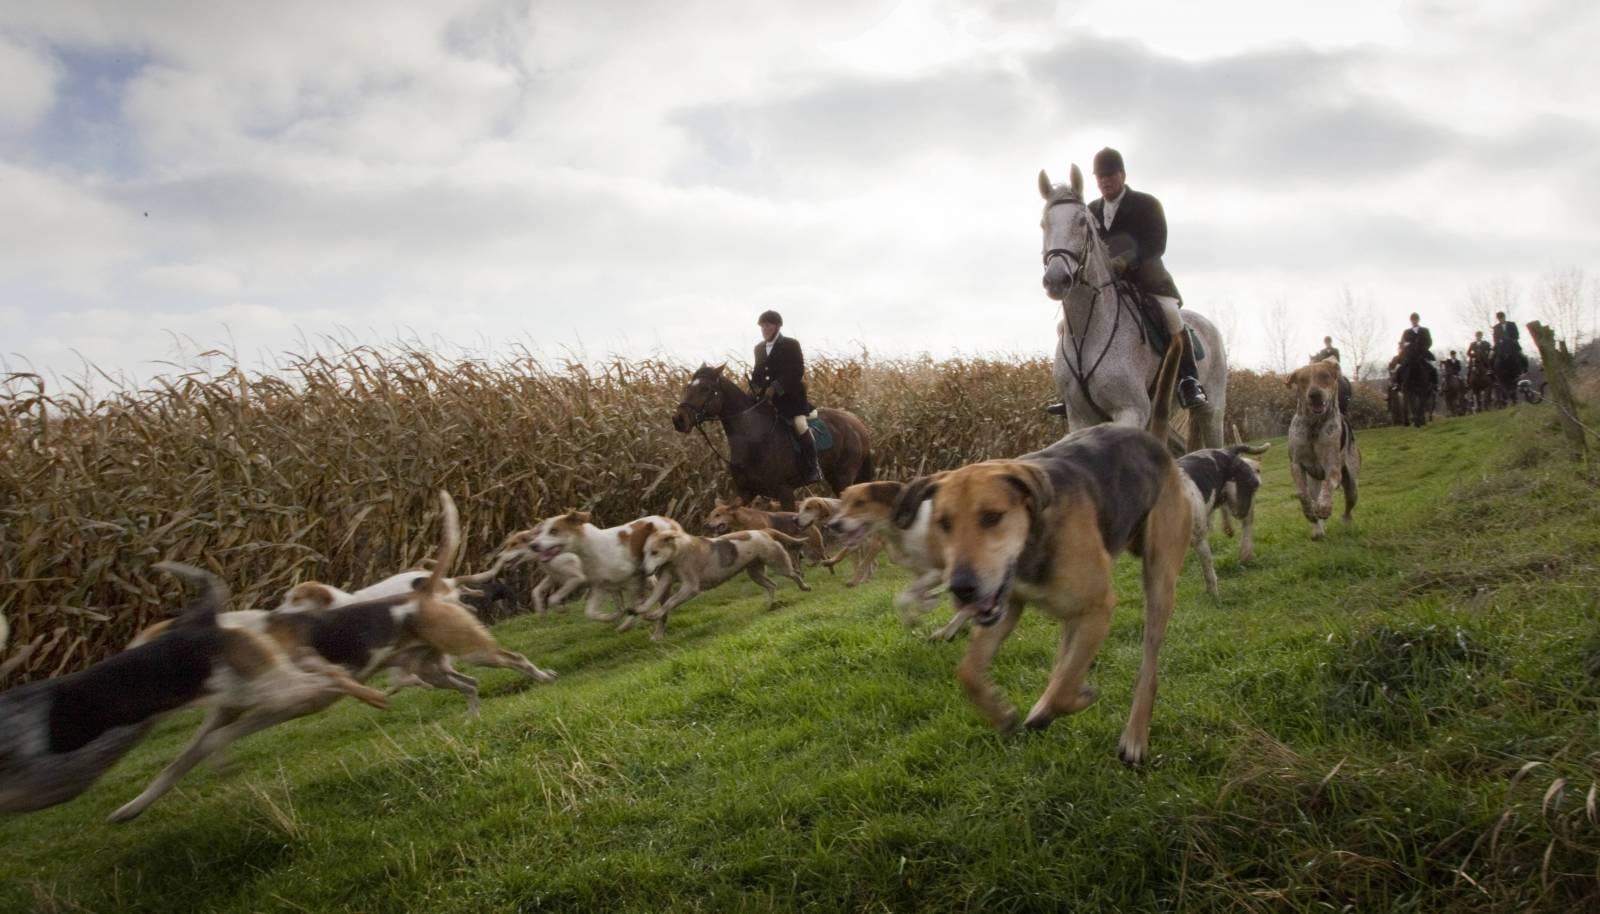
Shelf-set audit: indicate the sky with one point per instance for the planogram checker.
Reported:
(596, 178)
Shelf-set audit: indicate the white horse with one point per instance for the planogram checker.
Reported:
(1104, 363)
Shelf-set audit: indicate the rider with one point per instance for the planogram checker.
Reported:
(1417, 339)
(1135, 229)
(1329, 351)
(1478, 353)
(1506, 342)
(780, 373)
(1451, 366)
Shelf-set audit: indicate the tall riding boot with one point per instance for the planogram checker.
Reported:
(1165, 298)
(1190, 393)
(810, 470)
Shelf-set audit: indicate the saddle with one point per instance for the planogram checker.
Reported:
(819, 434)
(1156, 328)
(1155, 324)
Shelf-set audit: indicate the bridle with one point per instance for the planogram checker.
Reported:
(700, 416)
(1077, 275)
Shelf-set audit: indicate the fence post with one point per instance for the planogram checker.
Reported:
(1558, 375)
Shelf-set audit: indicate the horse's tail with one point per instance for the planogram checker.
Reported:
(867, 471)
(1166, 383)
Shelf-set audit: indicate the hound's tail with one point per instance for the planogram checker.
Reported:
(785, 538)
(1166, 383)
(1238, 449)
(213, 593)
(449, 542)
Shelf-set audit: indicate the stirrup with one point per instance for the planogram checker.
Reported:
(1190, 393)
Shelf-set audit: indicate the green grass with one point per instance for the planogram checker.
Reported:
(1399, 718)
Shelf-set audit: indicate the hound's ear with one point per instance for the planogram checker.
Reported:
(721, 368)
(884, 491)
(1034, 484)
(1295, 377)
(736, 502)
(910, 500)
(1045, 187)
(1077, 181)
(581, 517)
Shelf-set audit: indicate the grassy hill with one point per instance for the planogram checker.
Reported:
(1402, 717)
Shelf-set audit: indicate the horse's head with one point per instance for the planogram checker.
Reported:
(702, 399)
(1069, 236)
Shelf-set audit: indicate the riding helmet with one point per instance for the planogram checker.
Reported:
(1107, 161)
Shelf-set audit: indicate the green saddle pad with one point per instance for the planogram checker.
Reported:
(819, 433)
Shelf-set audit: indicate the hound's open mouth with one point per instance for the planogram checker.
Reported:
(546, 555)
(1318, 409)
(986, 611)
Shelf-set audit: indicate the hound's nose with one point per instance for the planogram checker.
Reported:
(1317, 396)
(964, 585)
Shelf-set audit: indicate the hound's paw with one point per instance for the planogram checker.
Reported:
(1006, 723)
(126, 814)
(1039, 718)
(1132, 752)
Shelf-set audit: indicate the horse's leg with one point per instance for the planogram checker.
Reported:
(1131, 416)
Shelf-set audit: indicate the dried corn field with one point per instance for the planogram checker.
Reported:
(325, 469)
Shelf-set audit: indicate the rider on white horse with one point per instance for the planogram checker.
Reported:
(1135, 229)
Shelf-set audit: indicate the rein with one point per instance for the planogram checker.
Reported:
(700, 417)
(1078, 276)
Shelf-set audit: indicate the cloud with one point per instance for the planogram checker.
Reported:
(28, 78)
(639, 177)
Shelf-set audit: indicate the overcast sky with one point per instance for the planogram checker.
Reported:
(600, 177)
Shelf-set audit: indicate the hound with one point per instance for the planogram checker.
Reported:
(1220, 480)
(869, 509)
(1046, 528)
(413, 632)
(58, 736)
(817, 511)
(563, 572)
(1323, 454)
(728, 516)
(612, 558)
(699, 564)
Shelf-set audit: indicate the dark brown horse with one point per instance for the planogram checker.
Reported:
(1479, 385)
(761, 453)
(1454, 391)
(1509, 364)
(1416, 389)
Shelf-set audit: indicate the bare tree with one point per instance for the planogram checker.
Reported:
(1559, 297)
(1484, 299)
(1225, 317)
(1280, 328)
(1357, 326)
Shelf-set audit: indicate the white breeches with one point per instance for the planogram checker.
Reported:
(1169, 313)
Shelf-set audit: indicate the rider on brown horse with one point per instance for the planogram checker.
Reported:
(1415, 342)
(1506, 344)
(1451, 366)
(780, 375)
(1478, 353)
